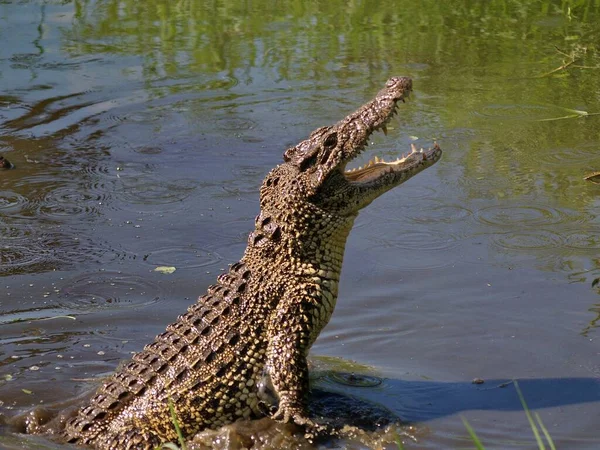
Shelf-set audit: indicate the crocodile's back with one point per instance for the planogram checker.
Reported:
(206, 363)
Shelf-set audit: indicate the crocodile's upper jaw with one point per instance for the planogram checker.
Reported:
(322, 158)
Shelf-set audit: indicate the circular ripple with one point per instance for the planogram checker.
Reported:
(442, 213)
(236, 124)
(28, 250)
(19, 256)
(76, 249)
(354, 379)
(521, 216)
(182, 257)
(11, 202)
(247, 180)
(14, 230)
(419, 240)
(249, 172)
(109, 290)
(68, 201)
(100, 169)
(583, 241)
(397, 209)
(528, 240)
(147, 191)
(416, 192)
(580, 155)
(519, 112)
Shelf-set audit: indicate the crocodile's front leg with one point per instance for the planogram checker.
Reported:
(291, 329)
(286, 373)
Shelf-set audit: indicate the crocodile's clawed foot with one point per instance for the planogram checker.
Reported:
(286, 413)
(297, 416)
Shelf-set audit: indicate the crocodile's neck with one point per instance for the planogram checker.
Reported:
(295, 242)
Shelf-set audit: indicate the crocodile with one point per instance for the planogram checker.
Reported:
(240, 351)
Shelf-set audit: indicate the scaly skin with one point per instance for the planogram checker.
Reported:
(246, 340)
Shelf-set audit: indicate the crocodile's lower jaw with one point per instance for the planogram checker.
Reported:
(377, 167)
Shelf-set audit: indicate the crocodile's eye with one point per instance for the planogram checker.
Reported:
(331, 140)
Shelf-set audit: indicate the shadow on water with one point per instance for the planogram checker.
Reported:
(404, 405)
(427, 400)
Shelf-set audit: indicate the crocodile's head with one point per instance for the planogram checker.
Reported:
(320, 161)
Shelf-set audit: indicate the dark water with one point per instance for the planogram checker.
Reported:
(141, 131)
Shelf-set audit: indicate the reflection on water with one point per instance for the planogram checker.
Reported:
(140, 135)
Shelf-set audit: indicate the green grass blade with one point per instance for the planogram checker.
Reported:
(532, 424)
(545, 431)
(399, 442)
(551, 119)
(474, 438)
(176, 424)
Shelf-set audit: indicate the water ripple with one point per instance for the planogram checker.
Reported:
(419, 240)
(520, 112)
(583, 241)
(147, 190)
(14, 230)
(108, 290)
(14, 257)
(11, 202)
(29, 251)
(182, 257)
(235, 124)
(71, 249)
(441, 213)
(520, 215)
(528, 240)
(353, 379)
(573, 156)
(68, 201)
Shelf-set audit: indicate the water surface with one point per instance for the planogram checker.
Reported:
(141, 133)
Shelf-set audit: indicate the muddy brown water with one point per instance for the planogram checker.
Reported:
(141, 132)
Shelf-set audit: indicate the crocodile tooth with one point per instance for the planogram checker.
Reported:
(378, 159)
(413, 149)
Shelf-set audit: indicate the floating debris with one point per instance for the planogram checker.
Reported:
(165, 269)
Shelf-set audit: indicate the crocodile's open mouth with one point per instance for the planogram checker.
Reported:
(377, 167)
